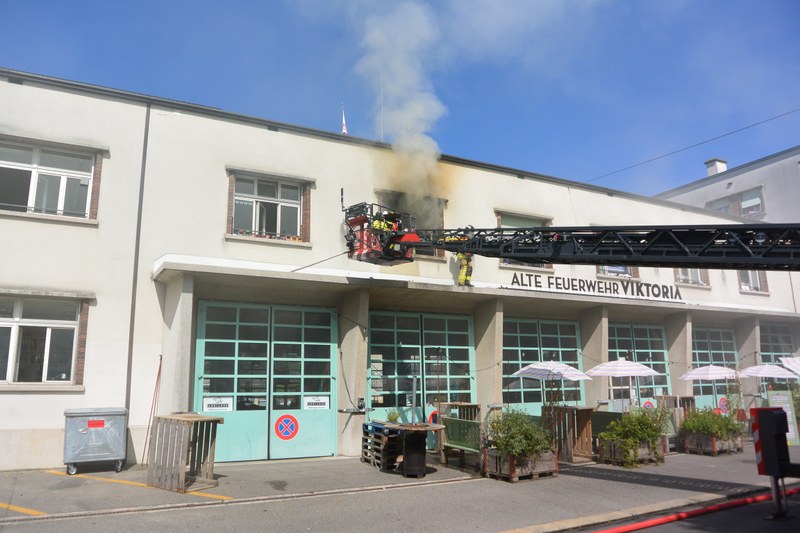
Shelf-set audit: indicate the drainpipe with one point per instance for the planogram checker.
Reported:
(136, 246)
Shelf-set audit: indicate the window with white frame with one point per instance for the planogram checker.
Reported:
(264, 207)
(44, 180)
(753, 281)
(38, 339)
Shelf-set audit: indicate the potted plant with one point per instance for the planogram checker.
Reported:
(393, 416)
(518, 446)
(634, 438)
(704, 431)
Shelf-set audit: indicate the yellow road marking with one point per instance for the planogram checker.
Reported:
(18, 509)
(135, 484)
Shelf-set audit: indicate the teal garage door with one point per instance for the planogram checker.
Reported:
(429, 354)
(269, 371)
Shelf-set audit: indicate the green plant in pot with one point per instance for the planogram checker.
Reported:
(393, 416)
(635, 434)
(513, 432)
(518, 446)
(705, 431)
(706, 422)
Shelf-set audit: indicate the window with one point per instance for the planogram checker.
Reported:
(618, 270)
(528, 341)
(429, 353)
(747, 204)
(753, 281)
(776, 342)
(428, 212)
(646, 345)
(268, 208)
(47, 181)
(692, 276)
(505, 220)
(713, 346)
(38, 339)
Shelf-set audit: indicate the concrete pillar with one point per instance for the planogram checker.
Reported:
(352, 374)
(678, 328)
(594, 340)
(488, 321)
(748, 345)
(177, 381)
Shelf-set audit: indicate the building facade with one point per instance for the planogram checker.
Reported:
(168, 257)
(767, 189)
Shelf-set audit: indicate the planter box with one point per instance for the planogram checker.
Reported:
(708, 444)
(612, 451)
(511, 468)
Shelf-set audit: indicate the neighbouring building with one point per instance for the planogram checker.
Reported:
(766, 190)
(167, 257)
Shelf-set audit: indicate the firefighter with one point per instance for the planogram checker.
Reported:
(382, 229)
(379, 225)
(464, 258)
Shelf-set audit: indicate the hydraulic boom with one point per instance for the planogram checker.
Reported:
(736, 246)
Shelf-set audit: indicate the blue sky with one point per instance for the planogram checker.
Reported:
(574, 89)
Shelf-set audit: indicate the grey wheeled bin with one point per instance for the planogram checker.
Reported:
(95, 436)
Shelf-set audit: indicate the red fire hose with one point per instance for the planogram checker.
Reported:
(694, 512)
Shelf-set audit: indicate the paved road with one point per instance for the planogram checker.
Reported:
(345, 495)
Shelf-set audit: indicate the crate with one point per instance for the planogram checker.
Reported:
(181, 454)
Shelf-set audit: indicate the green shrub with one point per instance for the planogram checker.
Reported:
(706, 422)
(513, 432)
(637, 428)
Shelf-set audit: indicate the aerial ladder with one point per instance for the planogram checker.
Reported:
(716, 246)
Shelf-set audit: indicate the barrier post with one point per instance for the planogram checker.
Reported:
(769, 427)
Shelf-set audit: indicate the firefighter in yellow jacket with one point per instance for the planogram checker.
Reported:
(382, 229)
(464, 259)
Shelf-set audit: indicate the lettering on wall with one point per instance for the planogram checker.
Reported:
(620, 288)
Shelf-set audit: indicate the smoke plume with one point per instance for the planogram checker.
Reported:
(399, 43)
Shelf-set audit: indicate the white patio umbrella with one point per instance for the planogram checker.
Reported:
(792, 363)
(544, 370)
(767, 371)
(622, 368)
(551, 370)
(710, 373)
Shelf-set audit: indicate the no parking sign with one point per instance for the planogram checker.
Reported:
(286, 427)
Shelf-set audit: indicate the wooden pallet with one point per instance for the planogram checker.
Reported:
(380, 446)
(531, 476)
(714, 453)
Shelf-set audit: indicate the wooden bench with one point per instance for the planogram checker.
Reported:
(461, 436)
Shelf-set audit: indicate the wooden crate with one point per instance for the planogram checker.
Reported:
(181, 453)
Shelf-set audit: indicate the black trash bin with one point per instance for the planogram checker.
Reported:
(414, 453)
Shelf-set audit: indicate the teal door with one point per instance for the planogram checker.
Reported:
(430, 354)
(269, 371)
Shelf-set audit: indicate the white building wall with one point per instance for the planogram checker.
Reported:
(72, 257)
(184, 219)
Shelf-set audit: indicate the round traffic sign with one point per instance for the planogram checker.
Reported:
(286, 427)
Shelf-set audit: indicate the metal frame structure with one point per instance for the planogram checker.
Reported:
(746, 247)
(735, 246)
